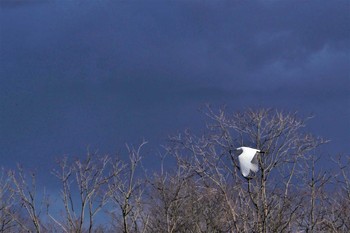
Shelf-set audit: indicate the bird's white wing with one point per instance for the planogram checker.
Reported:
(254, 163)
(244, 165)
(247, 162)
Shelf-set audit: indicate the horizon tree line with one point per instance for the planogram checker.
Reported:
(203, 191)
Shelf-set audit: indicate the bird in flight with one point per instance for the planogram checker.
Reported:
(248, 160)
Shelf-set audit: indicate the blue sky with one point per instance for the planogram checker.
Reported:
(102, 73)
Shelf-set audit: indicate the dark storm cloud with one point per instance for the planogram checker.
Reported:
(105, 72)
(20, 3)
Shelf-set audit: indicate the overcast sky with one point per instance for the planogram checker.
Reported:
(101, 73)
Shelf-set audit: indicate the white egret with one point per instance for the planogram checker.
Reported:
(248, 160)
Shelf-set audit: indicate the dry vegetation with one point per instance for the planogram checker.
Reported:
(204, 190)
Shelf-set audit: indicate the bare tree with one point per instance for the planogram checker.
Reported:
(345, 193)
(168, 198)
(25, 193)
(203, 191)
(338, 211)
(181, 202)
(126, 192)
(264, 202)
(315, 202)
(7, 204)
(203, 157)
(84, 191)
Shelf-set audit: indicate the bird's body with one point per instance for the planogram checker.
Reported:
(248, 160)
